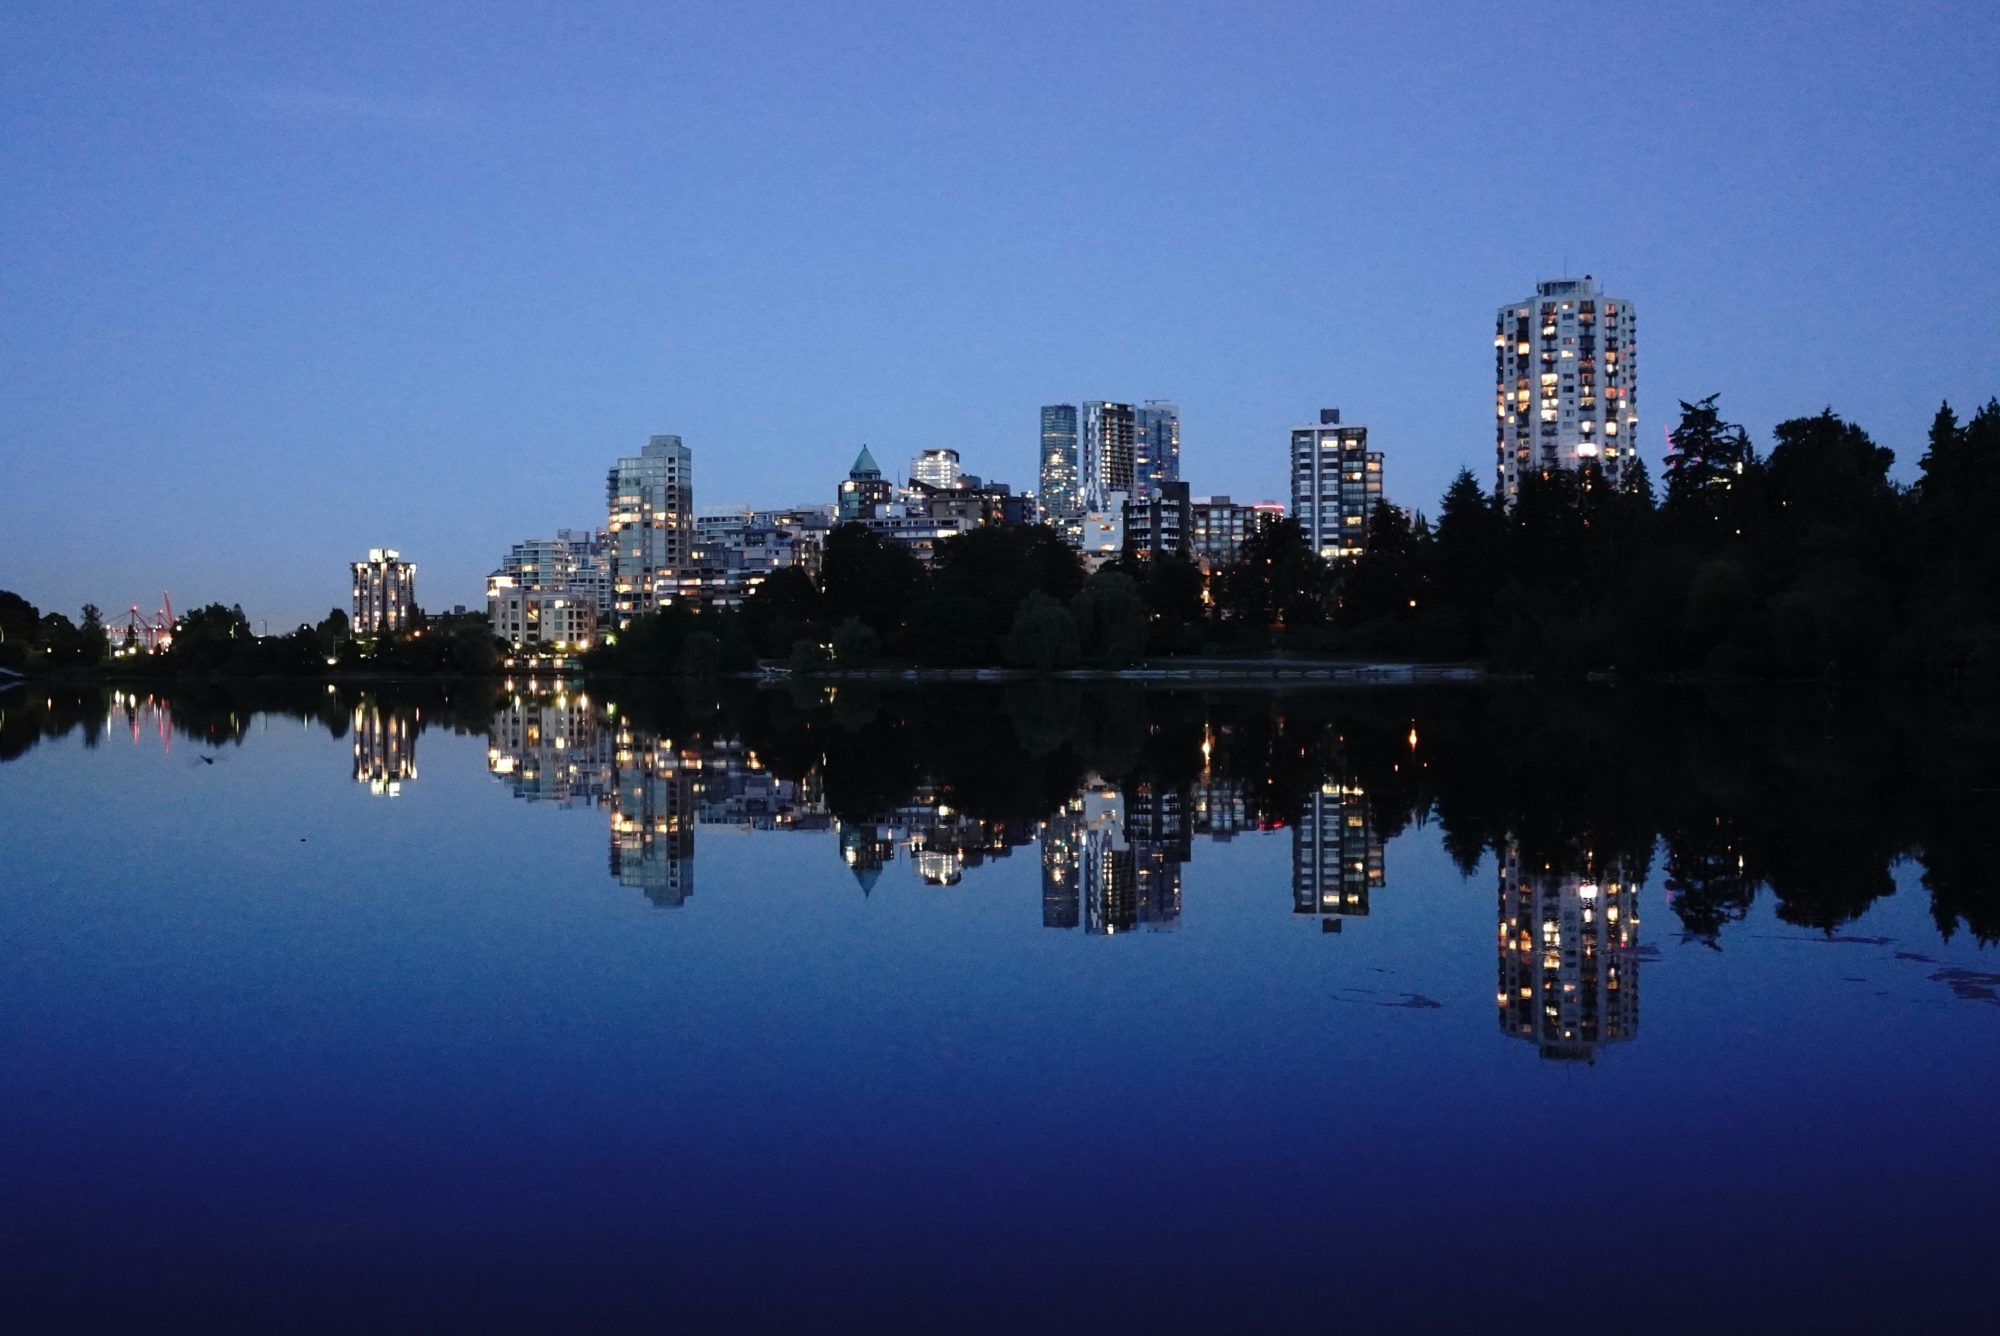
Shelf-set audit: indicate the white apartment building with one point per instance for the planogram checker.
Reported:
(552, 619)
(1565, 369)
(385, 593)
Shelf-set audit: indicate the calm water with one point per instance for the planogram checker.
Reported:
(1032, 1009)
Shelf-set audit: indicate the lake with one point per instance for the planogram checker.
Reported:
(1025, 1008)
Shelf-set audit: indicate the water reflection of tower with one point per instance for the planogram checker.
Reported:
(1336, 857)
(385, 748)
(865, 847)
(1569, 969)
(652, 818)
(1157, 824)
(1111, 865)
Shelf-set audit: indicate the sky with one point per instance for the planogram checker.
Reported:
(285, 283)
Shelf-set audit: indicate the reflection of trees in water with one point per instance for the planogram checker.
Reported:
(1807, 796)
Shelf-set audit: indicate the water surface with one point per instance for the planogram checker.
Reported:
(997, 1009)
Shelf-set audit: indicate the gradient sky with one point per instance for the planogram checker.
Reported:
(282, 286)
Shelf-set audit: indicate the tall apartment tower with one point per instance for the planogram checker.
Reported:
(1104, 459)
(385, 592)
(1156, 444)
(1061, 497)
(1566, 373)
(1336, 485)
(650, 496)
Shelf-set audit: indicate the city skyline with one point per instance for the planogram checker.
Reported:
(420, 284)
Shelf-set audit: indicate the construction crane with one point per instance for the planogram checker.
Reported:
(137, 631)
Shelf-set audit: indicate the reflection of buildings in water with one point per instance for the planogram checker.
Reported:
(550, 750)
(735, 789)
(1219, 808)
(1110, 864)
(1157, 823)
(1569, 969)
(865, 847)
(942, 841)
(1336, 857)
(385, 748)
(556, 749)
(652, 817)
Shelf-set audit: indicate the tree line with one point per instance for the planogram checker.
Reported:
(216, 640)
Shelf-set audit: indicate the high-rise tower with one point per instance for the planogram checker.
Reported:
(1156, 444)
(1104, 460)
(1336, 485)
(1565, 371)
(1061, 498)
(650, 496)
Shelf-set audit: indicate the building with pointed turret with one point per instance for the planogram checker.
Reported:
(864, 492)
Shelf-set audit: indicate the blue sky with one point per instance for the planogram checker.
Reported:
(286, 285)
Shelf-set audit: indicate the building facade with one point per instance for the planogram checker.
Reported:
(1566, 376)
(551, 591)
(1060, 495)
(735, 551)
(1105, 454)
(1156, 444)
(650, 497)
(937, 467)
(864, 492)
(1218, 527)
(562, 621)
(1159, 525)
(1336, 485)
(385, 593)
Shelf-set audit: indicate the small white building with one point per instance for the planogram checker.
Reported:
(552, 619)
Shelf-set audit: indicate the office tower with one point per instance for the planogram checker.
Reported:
(650, 496)
(1061, 495)
(864, 492)
(1336, 485)
(1565, 371)
(936, 467)
(1336, 857)
(1156, 444)
(1104, 457)
(385, 593)
(1158, 524)
(1569, 953)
